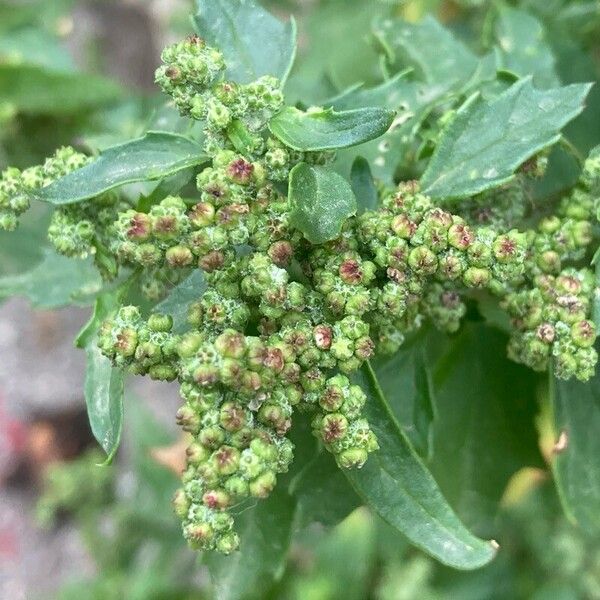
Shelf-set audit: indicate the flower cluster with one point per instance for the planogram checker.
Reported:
(16, 186)
(283, 324)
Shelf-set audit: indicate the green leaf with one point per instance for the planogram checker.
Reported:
(399, 488)
(320, 202)
(34, 46)
(342, 563)
(484, 430)
(180, 297)
(55, 281)
(325, 129)
(322, 492)
(104, 400)
(576, 460)
(363, 185)
(435, 54)
(265, 532)
(253, 42)
(103, 388)
(153, 156)
(523, 48)
(37, 90)
(486, 141)
(414, 409)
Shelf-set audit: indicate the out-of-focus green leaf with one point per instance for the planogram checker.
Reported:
(253, 42)
(484, 430)
(154, 156)
(576, 461)
(265, 531)
(325, 129)
(320, 202)
(346, 554)
(486, 141)
(36, 90)
(396, 484)
(431, 49)
(522, 46)
(55, 281)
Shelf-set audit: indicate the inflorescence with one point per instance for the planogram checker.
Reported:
(283, 324)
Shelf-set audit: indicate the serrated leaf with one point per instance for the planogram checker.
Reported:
(103, 388)
(523, 48)
(325, 129)
(55, 281)
(484, 431)
(576, 459)
(36, 90)
(487, 141)
(398, 487)
(320, 202)
(431, 49)
(363, 185)
(265, 532)
(153, 156)
(180, 297)
(253, 41)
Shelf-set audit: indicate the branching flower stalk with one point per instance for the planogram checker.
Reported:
(283, 323)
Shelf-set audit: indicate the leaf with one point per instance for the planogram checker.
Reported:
(153, 156)
(104, 400)
(399, 488)
(363, 185)
(576, 460)
(103, 388)
(180, 297)
(37, 90)
(320, 202)
(414, 409)
(322, 492)
(523, 48)
(253, 42)
(486, 141)
(484, 430)
(325, 129)
(34, 46)
(436, 55)
(55, 281)
(265, 532)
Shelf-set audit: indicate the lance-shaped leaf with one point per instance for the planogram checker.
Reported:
(153, 156)
(55, 281)
(576, 460)
(486, 142)
(320, 202)
(396, 484)
(326, 129)
(103, 387)
(252, 40)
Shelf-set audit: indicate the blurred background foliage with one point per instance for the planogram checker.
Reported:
(61, 82)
